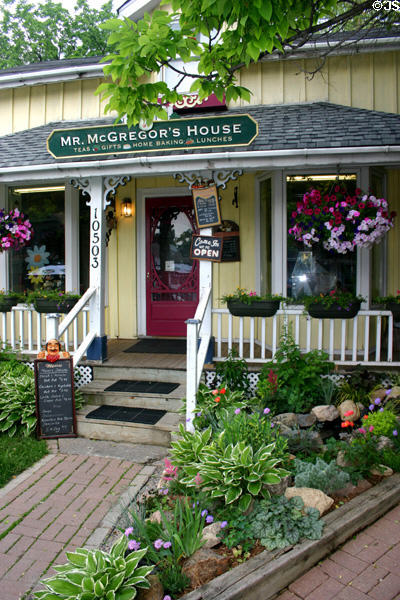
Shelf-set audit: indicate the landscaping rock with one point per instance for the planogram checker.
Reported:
(288, 419)
(382, 471)
(285, 430)
(204, 565)
(353, 490)
(325, 412)
(155, 517)
(306, 420)
(210, 535)
(384, 442)
(277, 489)
(395, 392)
(381, 394)
(346, 407)
(155, 591)
(312, 498)
(341, 461)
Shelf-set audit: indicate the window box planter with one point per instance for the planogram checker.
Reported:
(395, 308)
(335, 311)
(44, 305)
(263, 308)
(6, 303)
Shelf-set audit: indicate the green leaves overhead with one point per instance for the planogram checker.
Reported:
(31, 32)
(205, 44)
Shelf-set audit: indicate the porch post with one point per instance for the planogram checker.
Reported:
(71, 239)
(93, 186)
(205, 276)
(4, 282)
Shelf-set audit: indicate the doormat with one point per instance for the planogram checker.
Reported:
(147, 387)
(145, 416)
(154, 346)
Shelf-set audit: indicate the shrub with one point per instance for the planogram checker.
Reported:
(293, 382)
(280, 522)
(383, 423)
(323, 476)
(91, 574)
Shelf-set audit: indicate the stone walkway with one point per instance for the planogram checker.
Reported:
(60, 504)
(365, 568)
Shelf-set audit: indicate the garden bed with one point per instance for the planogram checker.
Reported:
(264, 575)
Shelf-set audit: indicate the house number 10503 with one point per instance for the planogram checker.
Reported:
(95, 250)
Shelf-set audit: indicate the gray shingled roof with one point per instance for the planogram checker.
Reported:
(283, 127)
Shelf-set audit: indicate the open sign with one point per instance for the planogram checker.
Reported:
(206, 247)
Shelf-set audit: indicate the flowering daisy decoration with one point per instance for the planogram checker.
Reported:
(340, 221)
(15, 230)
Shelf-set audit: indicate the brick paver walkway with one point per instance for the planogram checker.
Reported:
(365, 568)
(55, 510)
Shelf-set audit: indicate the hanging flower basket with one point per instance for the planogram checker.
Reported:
(15, 230)
(391, 303)
(52, 301)
(339, 221)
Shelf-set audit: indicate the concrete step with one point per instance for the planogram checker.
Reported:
(94, 394)
(139, 373)
(121, 431)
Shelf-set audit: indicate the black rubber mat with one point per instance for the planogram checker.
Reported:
(146, 416)
(148, 387)
(154, 346)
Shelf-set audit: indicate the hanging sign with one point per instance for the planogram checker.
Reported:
(206, 247)
(55, 400)
(176, 134)
(206, 206)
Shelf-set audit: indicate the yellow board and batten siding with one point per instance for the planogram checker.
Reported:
(370, 81)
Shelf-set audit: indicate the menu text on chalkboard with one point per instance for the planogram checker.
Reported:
(206, 247)
(55, 400)
(206, 206)
(231, 245)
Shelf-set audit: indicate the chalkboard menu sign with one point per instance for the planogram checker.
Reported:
(205, 247)
(55, 401)
(231, 245)
(206, 206)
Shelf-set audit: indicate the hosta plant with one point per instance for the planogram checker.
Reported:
(94, 575)
(190, 447)
(235, 473)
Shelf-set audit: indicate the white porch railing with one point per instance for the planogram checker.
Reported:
(198, 328)
(26, 331)
(368, 339)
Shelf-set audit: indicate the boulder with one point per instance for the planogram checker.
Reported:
(346, 407)
(277, 489)
(353, 490)
(395, 392)
(204, 565)
(155, 591)
(384, 442)
(288, 419)
(306, 420)
(341, 461)
(312, 498)
(382, 471)
(325, 412)
(210, 535)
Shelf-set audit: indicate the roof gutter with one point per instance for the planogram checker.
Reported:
(54, 75)
(249, 160)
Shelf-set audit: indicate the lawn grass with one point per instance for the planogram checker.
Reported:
(17, 453)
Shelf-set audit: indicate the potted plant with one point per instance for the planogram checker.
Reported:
(52, 301)
(336, 304)
(249, 304)
(8, 300)
(340, 221)
(392, 303)
(15, 230)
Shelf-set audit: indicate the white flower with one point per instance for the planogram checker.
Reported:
(37, 257)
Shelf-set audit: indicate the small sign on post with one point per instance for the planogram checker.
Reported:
(206, 247)
(206, 206)
(55, 400)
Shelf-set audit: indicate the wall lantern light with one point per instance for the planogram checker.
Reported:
(126, 207)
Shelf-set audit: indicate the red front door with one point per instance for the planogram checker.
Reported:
(172, 278)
